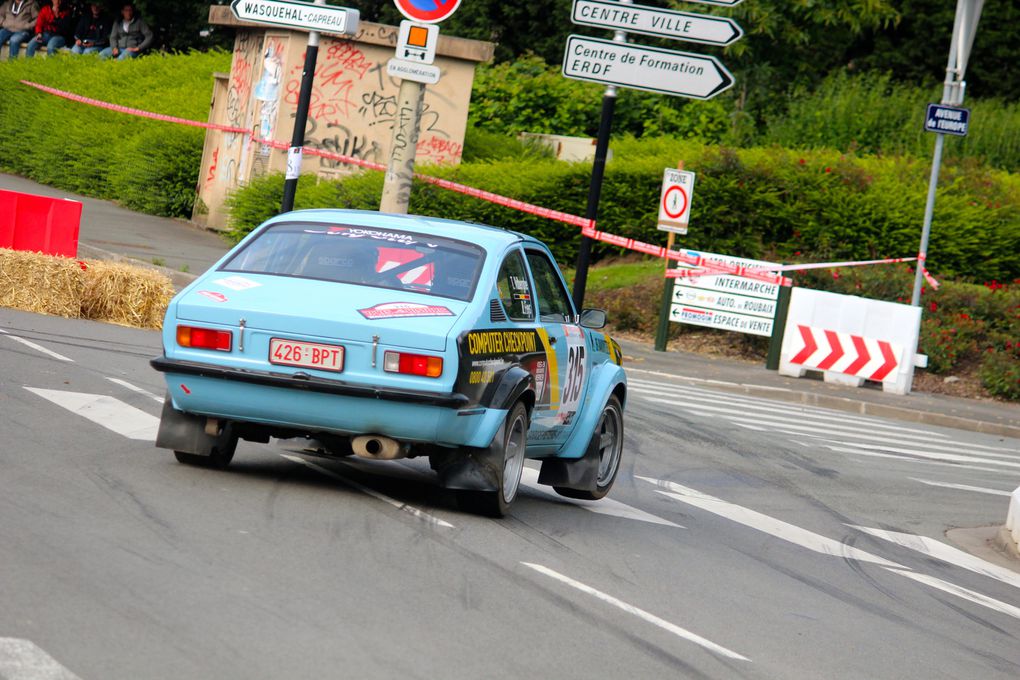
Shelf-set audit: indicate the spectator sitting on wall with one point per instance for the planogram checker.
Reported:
(130, 36)
(52, 28)
(93, 32)
(17, 23)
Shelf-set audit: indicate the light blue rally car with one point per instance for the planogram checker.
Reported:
(392, 336)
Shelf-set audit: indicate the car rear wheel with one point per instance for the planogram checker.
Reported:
(222, 452)
(607, 444)
(509, 447)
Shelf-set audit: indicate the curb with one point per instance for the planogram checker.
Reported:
(179, 279)
(850, 405)
(1003, 541)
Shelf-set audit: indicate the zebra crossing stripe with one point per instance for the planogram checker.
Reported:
(113, 414)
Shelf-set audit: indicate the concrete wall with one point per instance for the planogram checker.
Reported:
(352, 111)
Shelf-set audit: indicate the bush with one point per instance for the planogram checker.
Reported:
(527, 95)
(761, 203)
(871, 113)
(148, 165)
(1000, 373)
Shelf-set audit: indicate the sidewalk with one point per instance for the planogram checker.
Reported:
(110, 232)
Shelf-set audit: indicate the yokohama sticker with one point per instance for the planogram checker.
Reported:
(400, 310)
(212, 295)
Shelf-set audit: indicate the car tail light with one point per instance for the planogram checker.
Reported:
(413, 364)
(204, 338)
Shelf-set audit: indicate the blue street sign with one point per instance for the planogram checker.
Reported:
(947, 120)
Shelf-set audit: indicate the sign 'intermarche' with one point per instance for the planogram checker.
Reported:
(827, 350)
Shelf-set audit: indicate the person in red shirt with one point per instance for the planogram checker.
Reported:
(54, 24)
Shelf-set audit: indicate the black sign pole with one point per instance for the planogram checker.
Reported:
(594, 192)
(297, 140)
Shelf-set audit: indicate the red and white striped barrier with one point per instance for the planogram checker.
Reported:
(854, 355)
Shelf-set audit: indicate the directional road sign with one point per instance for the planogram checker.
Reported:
(645, 68)
(675, 201)
(300, 15)
(665, 23)
(427, 11)
(948, 120)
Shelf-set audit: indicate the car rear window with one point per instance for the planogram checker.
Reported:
(366, 256)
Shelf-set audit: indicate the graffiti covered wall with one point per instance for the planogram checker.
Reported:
(353, 106)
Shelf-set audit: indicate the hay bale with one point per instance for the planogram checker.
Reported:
(96, 289)
(125, 294)
(41, 283)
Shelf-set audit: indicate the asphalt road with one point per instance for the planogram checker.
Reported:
(744, 538)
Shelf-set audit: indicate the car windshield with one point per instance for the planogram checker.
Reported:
(366, 256)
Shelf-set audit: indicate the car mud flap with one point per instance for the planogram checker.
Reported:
(468, 469)
(572, 473)
(184, 432)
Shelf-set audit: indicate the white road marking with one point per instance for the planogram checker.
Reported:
(963, 487)
(606, 506)
(135, 388)
(111, 413)
(877, 454)
(792, 411)
(766, 524)
(37, 348)
(827, 546)
(931, 455)
(962, 592)
(399, 505)
(946, 553)
(640, 613)
(24, 660)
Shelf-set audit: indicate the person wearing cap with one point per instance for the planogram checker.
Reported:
(17, 23)
(130, 36)
(93, 32)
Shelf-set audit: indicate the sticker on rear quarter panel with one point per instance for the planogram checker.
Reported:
(401, 310)
(212, 295)
(237, 283)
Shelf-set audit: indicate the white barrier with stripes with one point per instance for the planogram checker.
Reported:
(851, 339)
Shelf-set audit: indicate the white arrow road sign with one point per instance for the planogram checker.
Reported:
(301, 15)
(699, 28)
(645, 68)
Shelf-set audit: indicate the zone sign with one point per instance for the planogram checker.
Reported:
(675, 201)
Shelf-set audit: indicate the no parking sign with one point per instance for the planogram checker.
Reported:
(675, 201)
(427, 11)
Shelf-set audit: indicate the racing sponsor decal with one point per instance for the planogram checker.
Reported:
(373, 234)
(577, 367)
(486, 356)
(237, 283)
(213, 295)
(403, 310)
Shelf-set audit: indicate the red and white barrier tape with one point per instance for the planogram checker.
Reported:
(707, 267)
(134, 112)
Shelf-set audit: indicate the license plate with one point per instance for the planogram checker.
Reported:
(306, 355)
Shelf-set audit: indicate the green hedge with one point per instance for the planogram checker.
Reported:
(871, 113)
(763, 203)
(146, 165)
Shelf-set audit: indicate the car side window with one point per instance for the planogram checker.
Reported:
(553, 301)
(515, 289)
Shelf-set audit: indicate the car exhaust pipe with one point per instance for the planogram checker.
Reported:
(377, 447)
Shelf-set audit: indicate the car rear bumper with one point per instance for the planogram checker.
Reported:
(317, 405)
(309, 384)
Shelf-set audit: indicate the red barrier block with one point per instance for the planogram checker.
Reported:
(39, 223)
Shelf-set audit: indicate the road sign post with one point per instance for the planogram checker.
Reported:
(968, 13)
(312, 18)
(412, 63)
(616, 63)
(674, 214)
